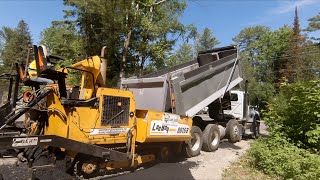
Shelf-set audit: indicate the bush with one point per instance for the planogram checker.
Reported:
(278, 157)
(294, 128)
(295, 114)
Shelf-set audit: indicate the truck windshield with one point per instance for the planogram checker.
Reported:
(234, 97)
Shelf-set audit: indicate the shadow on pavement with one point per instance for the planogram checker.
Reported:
(161, 171)
(227, 145)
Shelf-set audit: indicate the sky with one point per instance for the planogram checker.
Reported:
(226, 18)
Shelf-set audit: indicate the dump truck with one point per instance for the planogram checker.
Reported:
(99, 130)
(189, 88)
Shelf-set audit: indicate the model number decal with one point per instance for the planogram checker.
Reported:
(20, 142)
(159, 128)
(183, 130)
(108, 131)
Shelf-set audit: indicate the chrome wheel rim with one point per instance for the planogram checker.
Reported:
(235, 131)
(215, 138)
(195, 141)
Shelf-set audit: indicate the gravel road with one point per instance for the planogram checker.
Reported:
(208, 165)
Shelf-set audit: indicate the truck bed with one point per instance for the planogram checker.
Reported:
(187, 88)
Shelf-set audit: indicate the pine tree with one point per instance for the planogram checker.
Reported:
(206, 40)
(183, 54)
(314, 25)
(16, 43)
(294, 60)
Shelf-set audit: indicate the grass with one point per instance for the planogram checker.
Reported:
(241, 170)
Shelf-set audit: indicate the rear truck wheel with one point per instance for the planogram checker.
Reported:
(233, 133)
(211, 138)
(193, 146)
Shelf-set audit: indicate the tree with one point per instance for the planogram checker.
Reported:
(246, 38)
(314, 25)
(271, 49)
(311, 52)
(137, 32)
(206, 40)
(261, 59)
(17, 41)
(293, 57)
(183, 54)
(62, 39)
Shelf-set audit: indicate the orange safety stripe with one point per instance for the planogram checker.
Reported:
(21, 73)
(40, 60)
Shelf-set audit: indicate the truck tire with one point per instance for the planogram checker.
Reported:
(193, 146)
(233, 131)
(211, 138)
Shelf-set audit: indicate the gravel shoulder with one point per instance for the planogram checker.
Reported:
(208, 165)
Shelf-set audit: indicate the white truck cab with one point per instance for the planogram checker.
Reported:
(237, 105)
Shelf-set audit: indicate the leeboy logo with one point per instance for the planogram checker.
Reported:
(160, 128)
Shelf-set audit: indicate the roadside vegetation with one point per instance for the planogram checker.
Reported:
(283, 69)
(242, 170)
(292, 149)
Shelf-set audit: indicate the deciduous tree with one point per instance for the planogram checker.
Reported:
(136, 33)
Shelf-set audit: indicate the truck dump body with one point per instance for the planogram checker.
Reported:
(187, 88)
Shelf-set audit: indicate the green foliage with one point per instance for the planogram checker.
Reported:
(260, 92)
(74, 76)
(295, 113)
(183, 54)
(206, 40)
(16, 42)
(311, 60)
(62, 39)
(248, 35)
(314, 25)
(138, 34)
(270, 48)
(292, 149)
(261, 51)
(14, 45)
(276, 156)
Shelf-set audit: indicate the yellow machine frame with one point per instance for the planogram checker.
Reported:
(84, 123)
